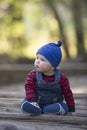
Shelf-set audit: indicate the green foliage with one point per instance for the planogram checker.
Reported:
(11, 21)
(25, 24)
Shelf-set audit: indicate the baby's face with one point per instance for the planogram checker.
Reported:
(43, 65)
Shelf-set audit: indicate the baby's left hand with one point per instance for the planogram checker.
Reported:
(71, 114)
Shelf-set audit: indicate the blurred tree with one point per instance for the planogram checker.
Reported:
(12, 24)
(76, 9)
(51, 4)
(78, 20)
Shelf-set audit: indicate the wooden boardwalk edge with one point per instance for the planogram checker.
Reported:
(44, 118)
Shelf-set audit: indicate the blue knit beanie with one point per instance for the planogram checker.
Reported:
(52, 52)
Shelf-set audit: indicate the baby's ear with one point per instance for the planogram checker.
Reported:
(52, 68)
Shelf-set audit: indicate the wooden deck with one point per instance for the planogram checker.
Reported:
(11, 117)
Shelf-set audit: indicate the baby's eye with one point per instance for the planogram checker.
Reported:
(42, 59)
(37, 57)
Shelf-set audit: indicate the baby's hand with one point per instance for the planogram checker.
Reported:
(71, 114)
(35, 104)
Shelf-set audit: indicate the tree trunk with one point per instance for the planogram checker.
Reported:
(77, 14)
(62, 35)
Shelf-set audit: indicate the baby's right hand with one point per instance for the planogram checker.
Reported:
(35, 104)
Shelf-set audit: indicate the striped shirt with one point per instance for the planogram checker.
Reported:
(30, 87)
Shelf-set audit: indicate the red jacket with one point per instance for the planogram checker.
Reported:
(30, 87)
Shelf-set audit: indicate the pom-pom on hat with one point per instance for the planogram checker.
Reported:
(52, 52)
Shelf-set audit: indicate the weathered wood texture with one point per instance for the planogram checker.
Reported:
(12, 118)
(10, 111)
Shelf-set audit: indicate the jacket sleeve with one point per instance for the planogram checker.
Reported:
(30, 87)
(67, 92)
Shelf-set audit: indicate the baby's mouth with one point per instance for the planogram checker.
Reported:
(37, 67)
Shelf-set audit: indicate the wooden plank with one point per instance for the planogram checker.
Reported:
(14, 101)
(44, 118)
(15, 106)
(29, 125)
(10, 110)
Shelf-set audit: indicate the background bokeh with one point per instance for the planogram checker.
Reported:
(25, 25)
